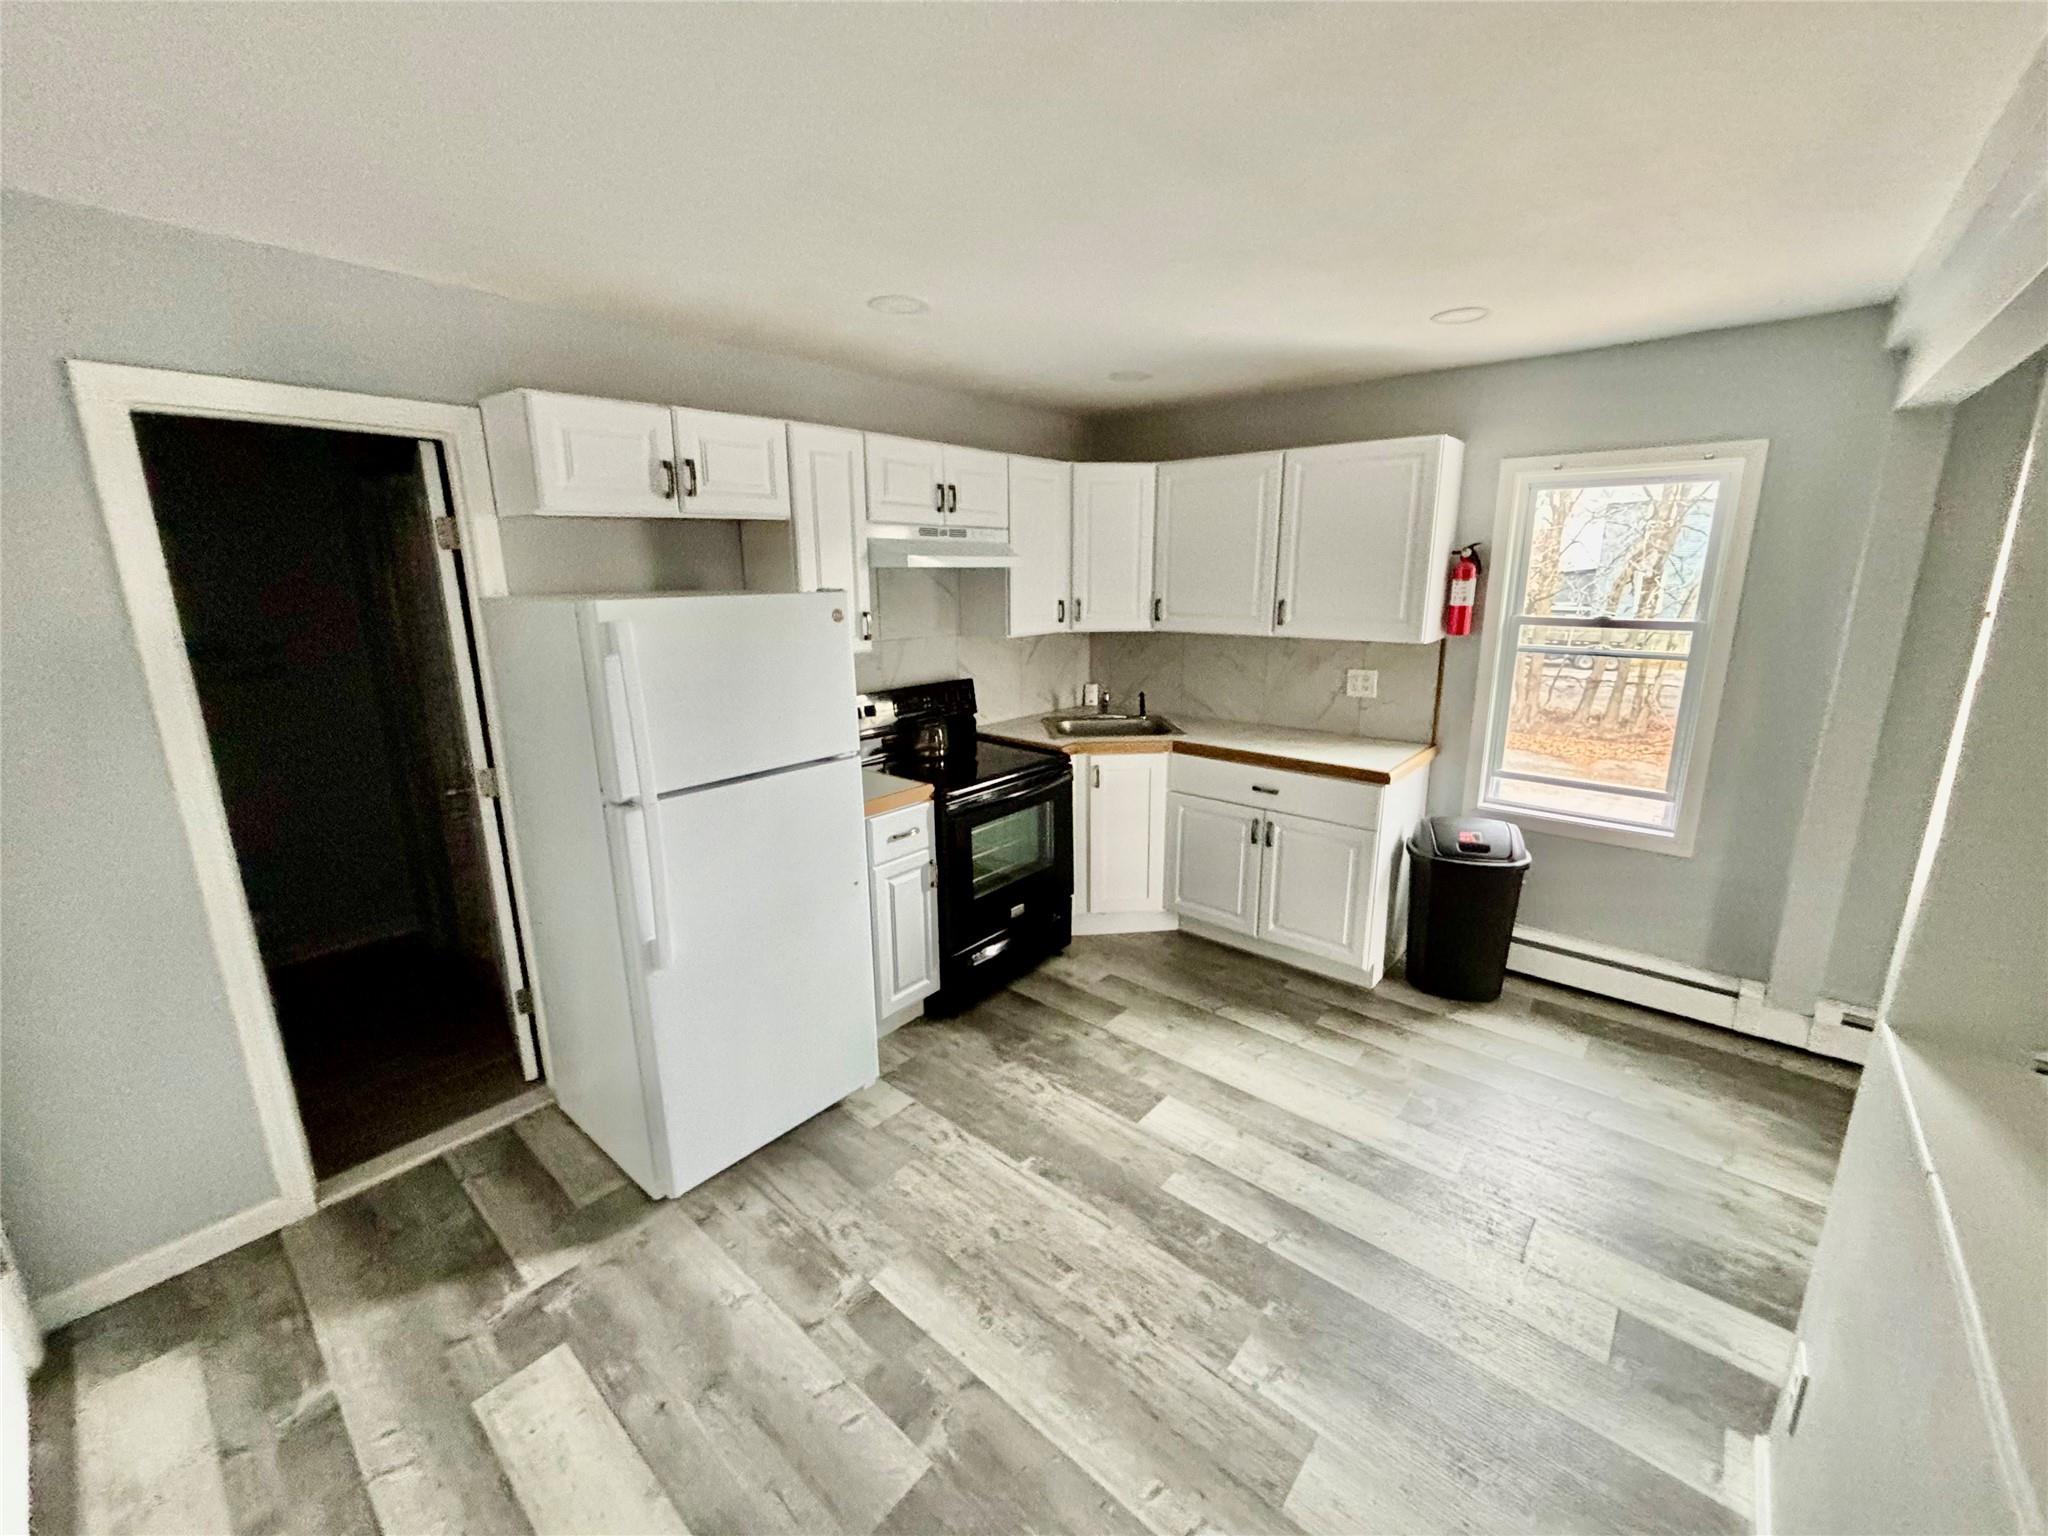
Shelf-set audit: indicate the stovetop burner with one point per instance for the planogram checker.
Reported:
(926, 731)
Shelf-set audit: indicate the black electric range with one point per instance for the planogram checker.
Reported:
(1004, 827)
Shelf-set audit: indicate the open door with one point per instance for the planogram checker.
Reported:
(476, 780)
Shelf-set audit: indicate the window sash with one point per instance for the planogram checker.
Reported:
(1700, 628)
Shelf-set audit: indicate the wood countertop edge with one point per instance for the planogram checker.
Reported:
(1419, 759)
(897, 799)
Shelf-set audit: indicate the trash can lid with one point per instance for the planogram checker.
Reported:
(1472, 840)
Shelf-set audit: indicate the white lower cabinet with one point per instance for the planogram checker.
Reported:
(1212, 862)
(1121, 804)
(1313, 891)
(904, 896)
(1323, 893)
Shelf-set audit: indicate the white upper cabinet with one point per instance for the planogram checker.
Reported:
(1041, 535)
(905, 480)
(1113, 507)
(572, 456)
(732, 466)
(1365, 536)
(829, 497)
(977, 488)
(910, 481)
(1218, 525)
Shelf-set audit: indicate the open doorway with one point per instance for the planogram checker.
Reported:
(334, 673)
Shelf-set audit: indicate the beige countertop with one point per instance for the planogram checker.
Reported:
(1364, 759)
(886, 792)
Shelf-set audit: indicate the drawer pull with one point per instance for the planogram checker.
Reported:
(1264, 789)
(897, 837)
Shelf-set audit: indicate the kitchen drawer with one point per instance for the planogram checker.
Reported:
(1344, 801)
(893, 834)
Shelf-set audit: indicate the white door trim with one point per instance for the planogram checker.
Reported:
(106, 396)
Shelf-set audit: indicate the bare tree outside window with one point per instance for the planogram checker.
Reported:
(1601, 644)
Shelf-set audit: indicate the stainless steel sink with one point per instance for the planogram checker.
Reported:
(1092, 723)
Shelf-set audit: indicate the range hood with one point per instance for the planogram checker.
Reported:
(935, 547)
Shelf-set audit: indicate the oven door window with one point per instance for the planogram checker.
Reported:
(1009, 847)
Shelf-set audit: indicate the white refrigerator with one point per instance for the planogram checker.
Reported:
(683, 779)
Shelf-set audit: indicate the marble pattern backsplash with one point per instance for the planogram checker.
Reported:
(1271, 681)
(919, 638)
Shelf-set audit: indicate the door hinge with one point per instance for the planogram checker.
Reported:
(487, 783)
(522, 1000)
(446, 534)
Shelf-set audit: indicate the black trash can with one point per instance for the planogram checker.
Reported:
(1464, 882)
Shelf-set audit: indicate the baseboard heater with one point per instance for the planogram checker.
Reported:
(1628, 975)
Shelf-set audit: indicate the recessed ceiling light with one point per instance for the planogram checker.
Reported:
(898, 304)
(1129, 376)
(1464, 314)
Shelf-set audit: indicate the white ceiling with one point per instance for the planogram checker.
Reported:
(1228, 197)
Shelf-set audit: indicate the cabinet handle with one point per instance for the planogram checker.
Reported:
(867, 624)
(939, 497)
(931, 877)
(1269, 834)
(689, 477)
(1254, 830)
(1280, 613)
(952, 500)
(1095, 774)
(668, 479)
(1264, 789)
(1077, 610)
(897, 837)
(1158, 604)
(1063, 610)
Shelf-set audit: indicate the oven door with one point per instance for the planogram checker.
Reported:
(1007, 865)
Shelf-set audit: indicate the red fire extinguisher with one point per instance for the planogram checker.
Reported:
(1464, 591)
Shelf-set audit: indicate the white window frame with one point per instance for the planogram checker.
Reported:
(1740, 467)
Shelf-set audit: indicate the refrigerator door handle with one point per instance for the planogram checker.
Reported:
(619, 651)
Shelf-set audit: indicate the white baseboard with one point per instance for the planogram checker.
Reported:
(1760, 1515)
(133, 1276)
(1629, 975)
(1124, 922)
(1729, 1002)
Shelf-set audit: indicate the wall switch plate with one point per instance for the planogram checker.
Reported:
(1361, 683)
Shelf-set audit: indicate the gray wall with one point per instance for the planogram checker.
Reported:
(1977, 479)
(1820, 390)
(125, 1118)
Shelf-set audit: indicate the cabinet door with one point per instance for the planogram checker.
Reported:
(1218, 524)
(602, 458)
(1041, 533)
(732, 466)
(1313, 894)
(1365, 533)
(1212, 862)
(906, 932)
(828, 497)
(1113, 546)
(903, 480)
(978, 488)
(1127, 832)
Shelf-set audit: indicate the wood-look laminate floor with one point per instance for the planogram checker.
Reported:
(1163, 1238)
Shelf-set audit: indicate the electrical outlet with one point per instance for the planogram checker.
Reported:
(1361, 683)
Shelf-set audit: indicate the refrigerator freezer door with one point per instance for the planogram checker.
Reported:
(766, 1014)
(723, 686)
